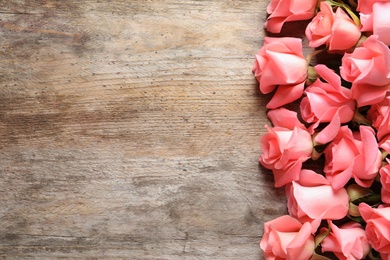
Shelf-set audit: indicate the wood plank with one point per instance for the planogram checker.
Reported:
(130, 130)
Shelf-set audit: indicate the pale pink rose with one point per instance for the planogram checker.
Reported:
(312, 199)
(280, 64)
(379, 115)
(286, 146)
(287, 238)
(347, 242)
(374, 16)
(352, 155)
(385, 181)
(365, 9)
(326, 100)
(378, 226)
(282, 11)
(368, 68)
(336, 30)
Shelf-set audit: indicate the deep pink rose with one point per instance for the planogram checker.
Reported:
(282, 11)
(385, 181)
(336, 30)
(347, 242)
(368, 68)
(379, 115)
(285, 146)
(326, 101)
(312, 199)
(352, 155)
(280, 64)
(374, 16)
(287, 238)
(378, 226)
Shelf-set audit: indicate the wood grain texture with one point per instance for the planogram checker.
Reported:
(129, 129)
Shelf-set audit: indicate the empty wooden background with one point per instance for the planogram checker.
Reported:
(129, 129)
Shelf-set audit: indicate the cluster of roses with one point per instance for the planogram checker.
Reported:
(342, 209)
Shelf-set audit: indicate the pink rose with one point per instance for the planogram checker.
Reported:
(337, 30)
(285, 146)
(378, 112)
(282, 11)
(347, 242)
(374, 16)
(378, 227)
(379, 115)
(280, 64)
(385, 144)
(312, 199)
(286, 238)
(368, 68)
(326, 101)
(352, 155)
(385, 181)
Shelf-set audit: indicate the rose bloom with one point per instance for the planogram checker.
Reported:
(379, 115)
(336, 30)
(374, 16)
(385, 181)
(385, 144)
(280, 64)
(287, 238)
(352, 155)
(285, 146)
(347, 242)
(378, 227)
(312, 199)
(368, 68)
(282, 11)
(326, 100)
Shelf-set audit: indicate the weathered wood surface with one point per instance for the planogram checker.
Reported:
(130, 129)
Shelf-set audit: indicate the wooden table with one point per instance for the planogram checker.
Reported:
(130, 129)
